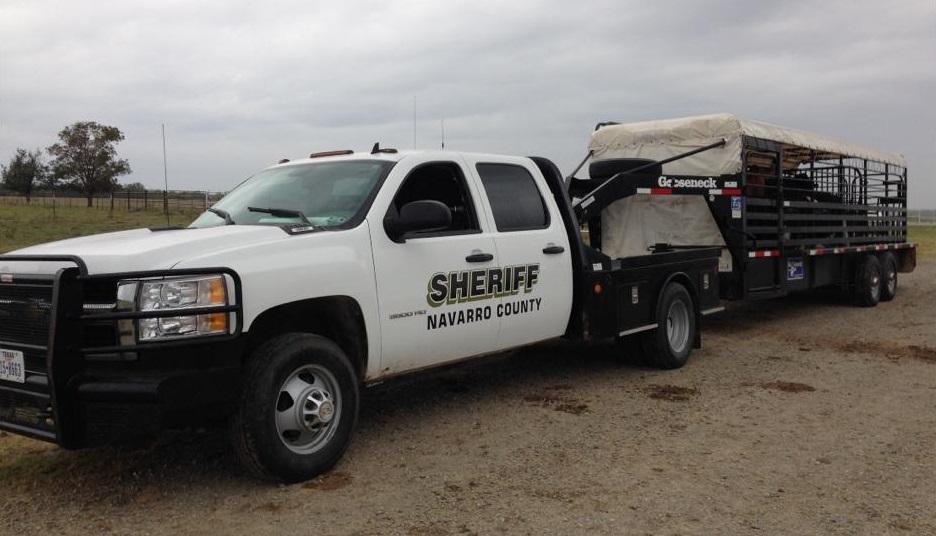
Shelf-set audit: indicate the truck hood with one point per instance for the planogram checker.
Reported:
(143, 249)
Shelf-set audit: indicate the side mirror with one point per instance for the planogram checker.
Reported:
(422, 216)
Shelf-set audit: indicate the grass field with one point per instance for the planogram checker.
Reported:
(925, 238)
(24, 225)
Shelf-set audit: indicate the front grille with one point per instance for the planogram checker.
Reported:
(25, 311)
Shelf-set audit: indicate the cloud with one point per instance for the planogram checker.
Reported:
(242, 84)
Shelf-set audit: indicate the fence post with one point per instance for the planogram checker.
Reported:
(145, 204)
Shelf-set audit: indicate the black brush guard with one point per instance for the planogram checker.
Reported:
(46, 406)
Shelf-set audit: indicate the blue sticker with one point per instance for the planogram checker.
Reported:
(795, 269)
(735, 206)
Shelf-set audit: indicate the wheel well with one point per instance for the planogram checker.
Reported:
(685, 281)
(337, 318)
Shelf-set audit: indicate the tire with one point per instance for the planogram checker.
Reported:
(670, 344)
(276, 439)
(888, 277)
(868, 281)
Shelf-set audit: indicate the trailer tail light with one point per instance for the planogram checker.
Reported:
(597, 288)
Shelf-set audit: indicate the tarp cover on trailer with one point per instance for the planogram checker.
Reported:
(669, 137)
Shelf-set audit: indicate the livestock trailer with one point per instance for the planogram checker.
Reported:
(791, 210)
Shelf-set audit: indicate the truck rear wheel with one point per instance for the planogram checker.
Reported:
(889, 276)
(670, 344)
(868, 281)
(298, 408)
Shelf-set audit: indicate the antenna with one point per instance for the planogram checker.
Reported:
(414, 122)
(443, 133)
(165, 177)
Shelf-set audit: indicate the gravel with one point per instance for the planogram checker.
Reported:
(801, 415)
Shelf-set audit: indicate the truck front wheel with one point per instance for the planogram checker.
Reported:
(298, 408)
(670, 344)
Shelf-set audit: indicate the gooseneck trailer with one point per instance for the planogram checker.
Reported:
(322, 275)
(791, 210)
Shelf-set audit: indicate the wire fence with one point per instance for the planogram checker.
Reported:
(155, 200)
(187, 200)
(921, 217)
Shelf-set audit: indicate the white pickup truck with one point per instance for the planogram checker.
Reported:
(312, 279)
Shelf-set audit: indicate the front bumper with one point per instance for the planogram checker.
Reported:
(83, 389)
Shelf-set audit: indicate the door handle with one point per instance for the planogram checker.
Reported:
(553, 249)
(479, 257)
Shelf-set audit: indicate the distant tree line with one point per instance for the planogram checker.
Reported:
(84, 159)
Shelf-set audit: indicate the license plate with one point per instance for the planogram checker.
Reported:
(11, 366)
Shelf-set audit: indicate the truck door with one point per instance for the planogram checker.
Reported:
(433, 301)
(533, 248)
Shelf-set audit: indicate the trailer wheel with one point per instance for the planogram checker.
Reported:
(298, 408)
(889, 276)
(868, 281)
(670, 344)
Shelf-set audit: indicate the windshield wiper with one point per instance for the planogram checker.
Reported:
(282, 213)
(228, 220)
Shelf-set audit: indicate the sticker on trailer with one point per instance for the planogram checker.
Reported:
(795, 269)
(735, 206)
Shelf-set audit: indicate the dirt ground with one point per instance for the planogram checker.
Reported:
(800, 416)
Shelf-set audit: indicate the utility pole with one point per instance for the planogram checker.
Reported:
(165, 177)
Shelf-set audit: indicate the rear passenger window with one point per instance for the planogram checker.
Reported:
(514, 197)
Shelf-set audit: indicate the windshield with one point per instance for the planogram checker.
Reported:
(328, 194)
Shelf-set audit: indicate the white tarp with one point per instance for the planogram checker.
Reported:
(631, 225)
(669, 137)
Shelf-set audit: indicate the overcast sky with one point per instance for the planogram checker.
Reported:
(242, 84)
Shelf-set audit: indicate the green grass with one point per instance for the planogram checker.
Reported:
(25, 225)
(924, 236)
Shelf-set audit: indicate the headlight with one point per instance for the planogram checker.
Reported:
(184, 294)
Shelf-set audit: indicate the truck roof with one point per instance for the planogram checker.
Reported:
(397, 156)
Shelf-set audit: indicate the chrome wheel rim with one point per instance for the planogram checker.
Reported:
(677, 326)
(308, 408)
(891, 282)
(875, 286)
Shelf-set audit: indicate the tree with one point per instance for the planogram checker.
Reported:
(24, 172)
(85, 158)
(135, 187)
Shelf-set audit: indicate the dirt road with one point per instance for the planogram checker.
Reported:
(800, 416)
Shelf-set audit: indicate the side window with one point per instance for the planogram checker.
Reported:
(444, 182)
(514, 197)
